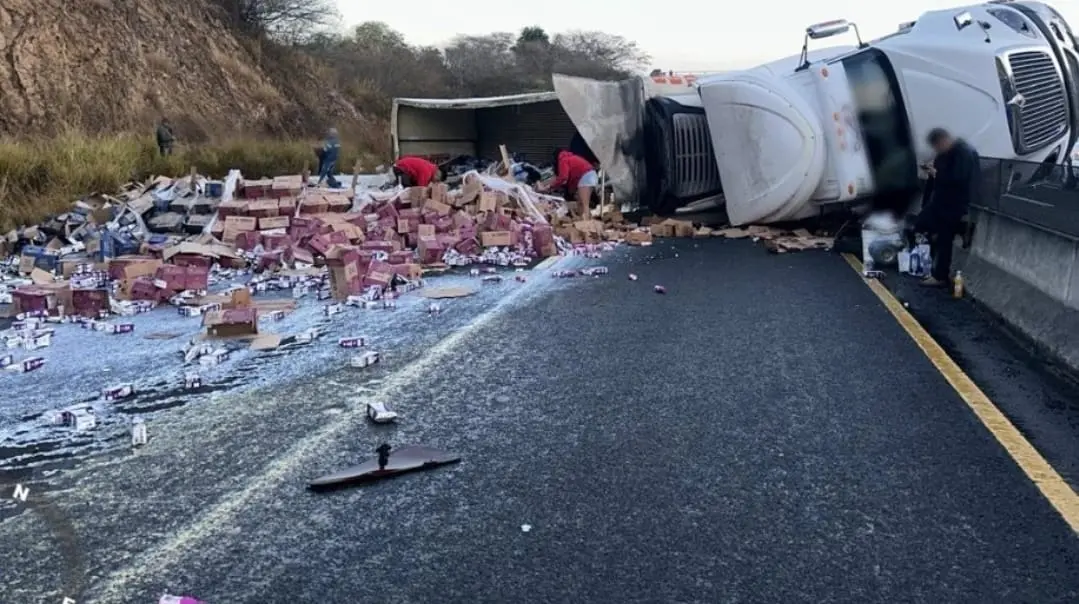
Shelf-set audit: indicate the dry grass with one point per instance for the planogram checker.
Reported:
(44, 177)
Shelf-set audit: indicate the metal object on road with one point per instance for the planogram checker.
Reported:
(408, 458)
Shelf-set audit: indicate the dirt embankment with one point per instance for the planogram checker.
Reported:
(107, 66)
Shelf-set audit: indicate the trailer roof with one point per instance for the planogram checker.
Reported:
(478, 102)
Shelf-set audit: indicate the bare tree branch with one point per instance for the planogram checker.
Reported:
(288, 21)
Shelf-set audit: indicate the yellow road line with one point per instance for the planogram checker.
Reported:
(1048, 481)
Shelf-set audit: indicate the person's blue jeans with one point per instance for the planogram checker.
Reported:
(326, 173)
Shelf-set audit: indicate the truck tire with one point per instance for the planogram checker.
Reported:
(884, 253)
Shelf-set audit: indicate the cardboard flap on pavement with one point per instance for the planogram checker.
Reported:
(447, 292)
(733, 233)
(210, 250)
(269, 306)
(266, 341)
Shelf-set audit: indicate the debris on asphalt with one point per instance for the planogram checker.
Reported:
(778, 241)
(139, 436)
(659, 289)
(309, 335)
(390, 463)
(350, 342)
(26, 365)
(192, 380)
(116, 393)
(364, 359)
(526, 528)
(447, 292)
(379, 413)
(632, 277)
(267, 341)
(80, 418)
(238, 255)
(672, 227)
(167, 599)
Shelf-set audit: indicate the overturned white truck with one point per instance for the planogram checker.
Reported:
(783, 140)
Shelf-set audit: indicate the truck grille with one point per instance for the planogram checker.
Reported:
(695, 169)
(1043, 116)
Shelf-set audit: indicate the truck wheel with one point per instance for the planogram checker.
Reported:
(884, 253)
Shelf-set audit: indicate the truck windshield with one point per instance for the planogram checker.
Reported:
(883, 120)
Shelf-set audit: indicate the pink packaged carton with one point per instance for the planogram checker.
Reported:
(27, 365)
(350, 342)
(116, 393)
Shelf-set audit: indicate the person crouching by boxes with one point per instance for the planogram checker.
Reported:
(415, 172)
(577, 175)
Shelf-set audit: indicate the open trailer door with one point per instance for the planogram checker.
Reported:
(610, 118)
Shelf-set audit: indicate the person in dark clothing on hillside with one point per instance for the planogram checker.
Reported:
(954, 181)
(165, 137)
(327, 159)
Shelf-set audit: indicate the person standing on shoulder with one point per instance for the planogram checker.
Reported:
(327, 159)
(165, 137)
(414, 171)
(954, 182)
(578, 176)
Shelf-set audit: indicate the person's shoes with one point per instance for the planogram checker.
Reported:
(932, 282)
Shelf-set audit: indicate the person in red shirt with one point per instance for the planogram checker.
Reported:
(416, 172)
(578, 176)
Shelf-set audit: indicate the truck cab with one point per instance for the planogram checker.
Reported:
(853, 125)
(849, 123)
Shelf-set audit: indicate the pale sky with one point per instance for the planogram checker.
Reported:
(680, 35)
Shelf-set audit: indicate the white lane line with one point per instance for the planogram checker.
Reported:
(1029, 200)
(547, 263)
(221, 516)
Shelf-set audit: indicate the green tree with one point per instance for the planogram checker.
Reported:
(533, 34)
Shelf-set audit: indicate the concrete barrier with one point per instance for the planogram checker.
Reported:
(1029, 276)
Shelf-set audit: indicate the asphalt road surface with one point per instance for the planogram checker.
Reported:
(764, 432)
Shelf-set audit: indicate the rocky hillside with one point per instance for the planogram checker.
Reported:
(104, 66)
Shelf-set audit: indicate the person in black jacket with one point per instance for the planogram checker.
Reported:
(954, 181)
(165, 137)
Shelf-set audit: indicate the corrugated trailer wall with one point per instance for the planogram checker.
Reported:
(533, 130)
